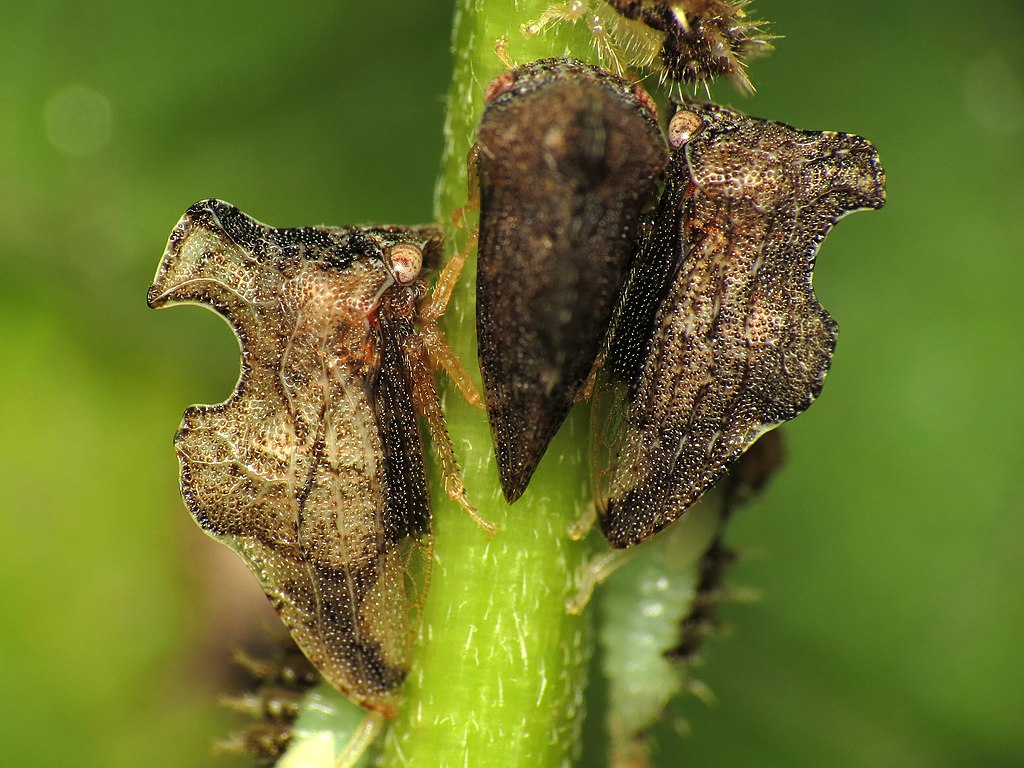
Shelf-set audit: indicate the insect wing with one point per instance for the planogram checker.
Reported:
(312, 470)
(568, 157)
(739, 343)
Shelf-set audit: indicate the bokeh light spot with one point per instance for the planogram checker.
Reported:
(79, 120)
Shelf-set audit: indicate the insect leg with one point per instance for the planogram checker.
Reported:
(431, 339)
(595, 571)
(435, 304)
(443, 356)
(365, 734)
(561, 12)
(472, 188)
(581, 527)
(428, 404)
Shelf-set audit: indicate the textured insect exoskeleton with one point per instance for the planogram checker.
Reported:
(719, 336)
(312, 471)
(685, 42)
(567, 157)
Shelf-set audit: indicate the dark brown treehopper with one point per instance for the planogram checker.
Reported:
(567, 158)
(312, 471)
(719, 337)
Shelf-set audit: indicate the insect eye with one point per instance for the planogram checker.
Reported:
(406, 261)
(683, 126)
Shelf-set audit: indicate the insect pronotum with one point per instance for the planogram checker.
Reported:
(567, 157)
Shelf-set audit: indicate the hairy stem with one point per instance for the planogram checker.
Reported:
(501, 668)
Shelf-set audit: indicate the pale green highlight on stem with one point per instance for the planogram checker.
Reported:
(501, 670)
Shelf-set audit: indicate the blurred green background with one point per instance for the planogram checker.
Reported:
(890, 553)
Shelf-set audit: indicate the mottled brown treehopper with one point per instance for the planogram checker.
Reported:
(312, 471)
(719, 337)
(567, 157)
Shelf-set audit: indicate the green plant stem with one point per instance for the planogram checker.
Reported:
(501, 667)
